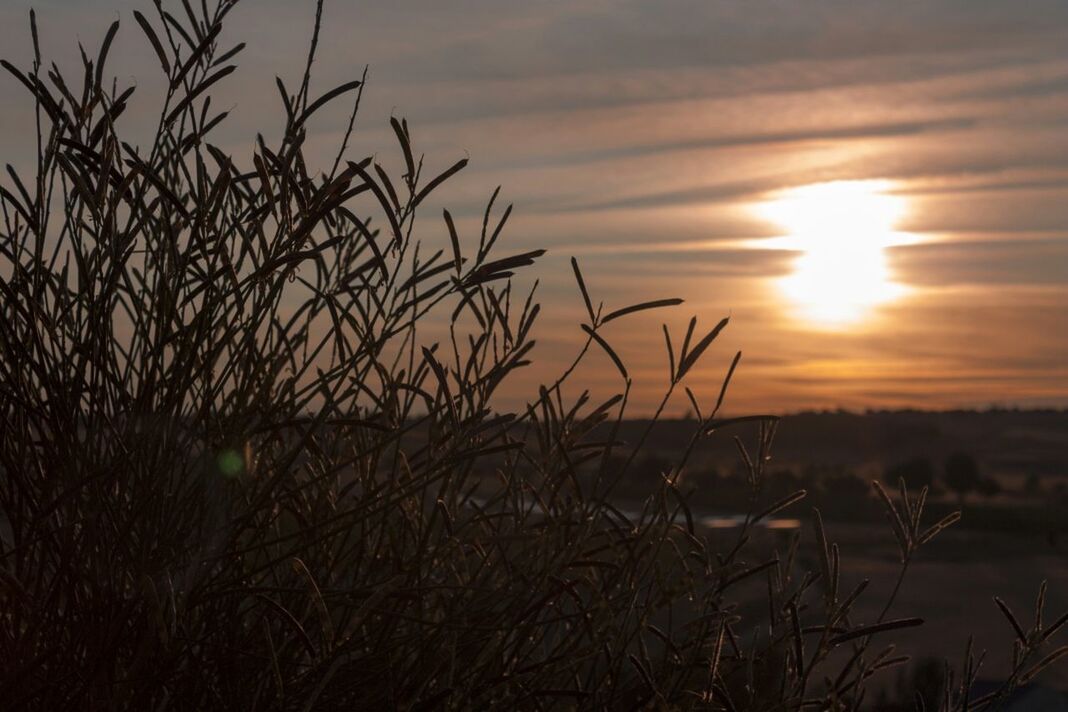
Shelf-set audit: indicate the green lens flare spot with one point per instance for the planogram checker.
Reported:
(230, 463)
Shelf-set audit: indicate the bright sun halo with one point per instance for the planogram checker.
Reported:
(841, 230)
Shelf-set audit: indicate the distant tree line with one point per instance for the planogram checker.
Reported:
(960, 474)
(836, 489)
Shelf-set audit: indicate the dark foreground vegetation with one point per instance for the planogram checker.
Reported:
(234, 473)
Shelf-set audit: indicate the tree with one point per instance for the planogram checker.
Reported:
(848, 487)
(846, 496)
(989, 487)
(962, 474)
(917, 473)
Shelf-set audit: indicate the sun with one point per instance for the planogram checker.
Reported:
(841, 231)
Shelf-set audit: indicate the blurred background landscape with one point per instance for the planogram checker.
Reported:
(1006, 469)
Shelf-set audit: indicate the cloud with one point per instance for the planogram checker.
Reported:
(557, 38)
(996, 263)
(639, 134)
(907, 128)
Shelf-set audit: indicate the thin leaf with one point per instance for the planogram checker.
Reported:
(325, 98)
(582, 288)
(1043, 663)
(691, 358)
(866, 630)
(1012, 619)
(780, 505)
(455, 240)
(442, 177)
(406, 147)
(102, 57)
(671, 367)
(655, 304)
(200, 89)
(948, 520)
(608, 350)
(900, 531)
(727, 381)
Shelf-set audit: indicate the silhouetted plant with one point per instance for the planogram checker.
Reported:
(235, 474)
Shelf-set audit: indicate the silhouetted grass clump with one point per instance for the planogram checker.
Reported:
(235, 475)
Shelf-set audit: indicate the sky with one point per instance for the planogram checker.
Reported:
(876, 193)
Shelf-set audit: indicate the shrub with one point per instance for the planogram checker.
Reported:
(236, 474)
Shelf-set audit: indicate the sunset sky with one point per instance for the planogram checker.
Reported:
(875, 192)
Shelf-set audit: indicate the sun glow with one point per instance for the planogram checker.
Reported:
(841, 230)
